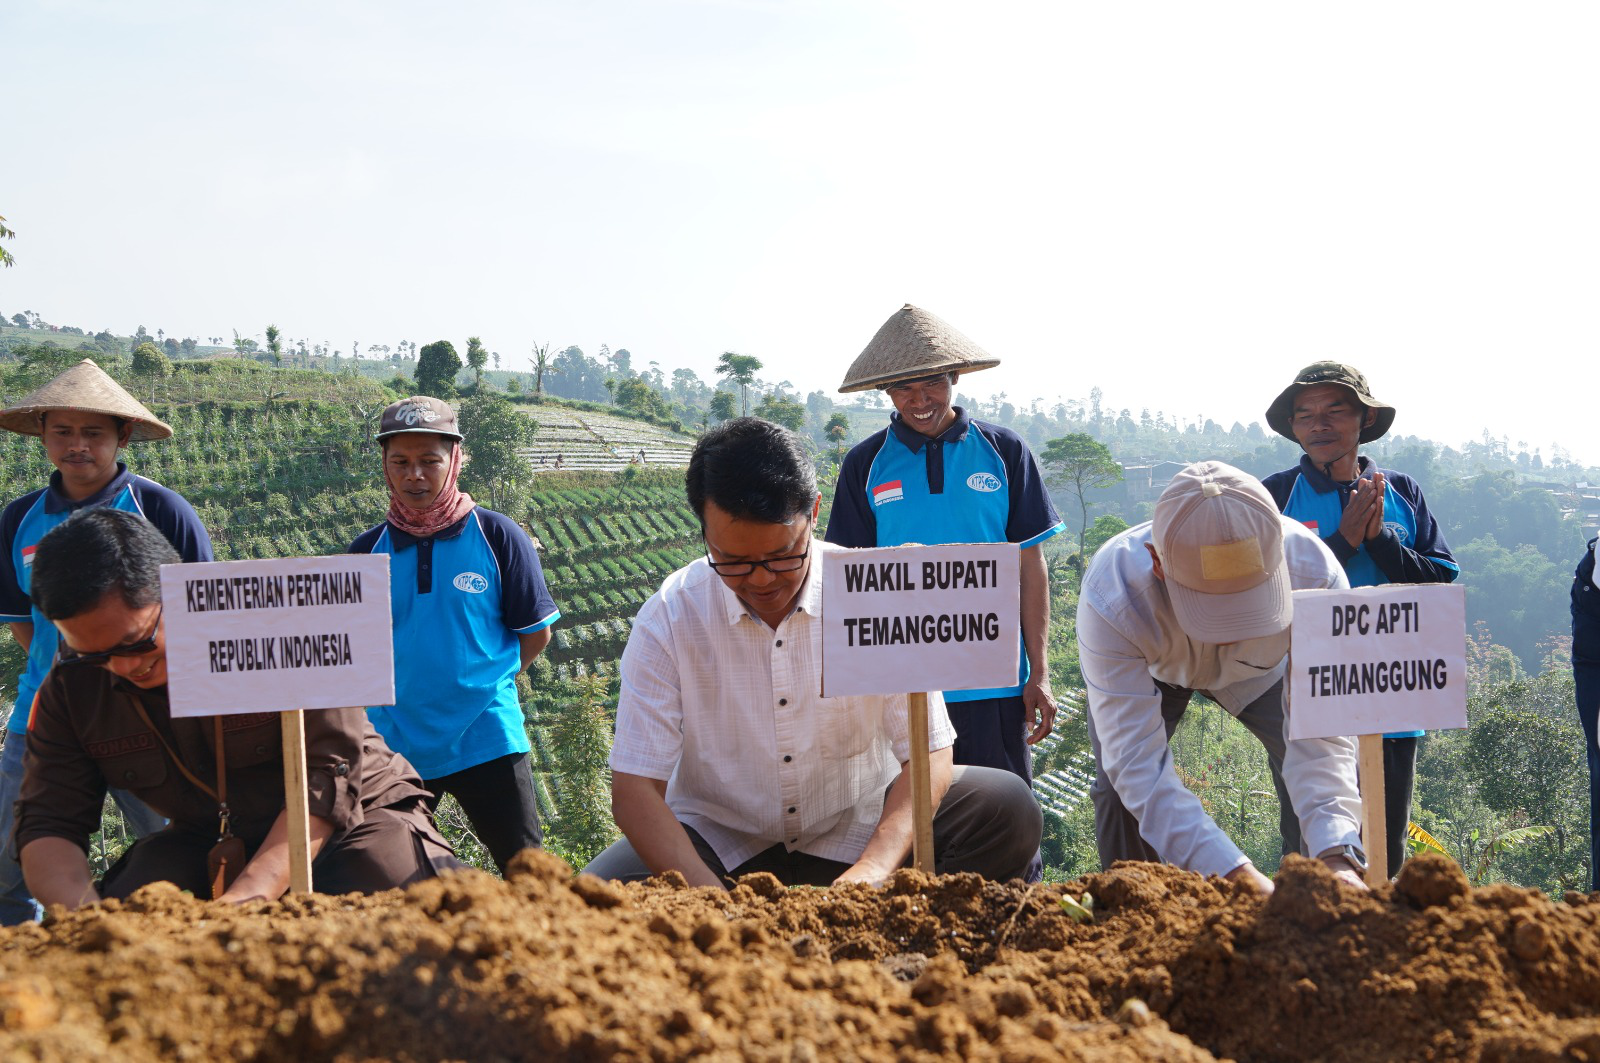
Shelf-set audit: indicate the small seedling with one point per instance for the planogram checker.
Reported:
(1081, 910)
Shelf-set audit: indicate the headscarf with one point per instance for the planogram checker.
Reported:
(451, 505)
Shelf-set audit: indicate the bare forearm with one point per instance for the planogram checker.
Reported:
(639, 807)
(1035, 610)
(891, 841)
(266, 876)
(531, 645)
(57, 873)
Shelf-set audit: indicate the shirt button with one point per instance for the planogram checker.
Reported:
(261, 751)
(794, 841)
(129, 776)
(342, 770)
(780, 642)
(791, 810)
(783, 701)
(787, 758)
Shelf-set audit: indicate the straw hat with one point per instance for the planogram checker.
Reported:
(84, 387)
(913, 343)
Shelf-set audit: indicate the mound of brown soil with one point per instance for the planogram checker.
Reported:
(544, 965)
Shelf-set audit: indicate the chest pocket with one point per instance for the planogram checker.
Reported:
(253, 739)
(849, 725)
(139, 769)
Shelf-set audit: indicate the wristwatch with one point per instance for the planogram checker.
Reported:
(1350, 853)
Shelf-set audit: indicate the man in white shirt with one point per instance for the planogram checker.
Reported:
(1198, 599)
(728, 760)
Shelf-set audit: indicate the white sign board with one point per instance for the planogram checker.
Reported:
(1374, 660)
(901, 619)
(286, 633)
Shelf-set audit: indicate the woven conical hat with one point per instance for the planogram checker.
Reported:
(914, 343)
(84, 387)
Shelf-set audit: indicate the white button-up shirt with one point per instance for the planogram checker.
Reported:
(1129, 636)
(730, 712)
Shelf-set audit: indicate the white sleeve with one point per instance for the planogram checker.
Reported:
(649, 735)
(1125, 709)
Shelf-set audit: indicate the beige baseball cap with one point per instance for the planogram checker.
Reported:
(1220, 541)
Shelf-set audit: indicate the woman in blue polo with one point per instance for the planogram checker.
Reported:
(471, 610)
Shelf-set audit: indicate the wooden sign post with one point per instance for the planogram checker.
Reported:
(943, 617)
(283, 635)
(1371, 661)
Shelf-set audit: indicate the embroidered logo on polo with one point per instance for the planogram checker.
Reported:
(887, 492)
(987, 482)
(1401, 532)
(471, 582)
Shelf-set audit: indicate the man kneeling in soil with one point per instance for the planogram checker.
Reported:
(728, 760)
(102, 715)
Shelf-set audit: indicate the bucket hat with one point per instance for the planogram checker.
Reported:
(85, 387)
(419, 413)
(911, 344)
(1281, 412)
(1220, 540)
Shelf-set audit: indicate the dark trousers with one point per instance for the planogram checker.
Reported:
(987, 823)
(1116, 830)
(497, 797)
(1586, 683)
(1399, 779)
(390, 847)
(993, 733)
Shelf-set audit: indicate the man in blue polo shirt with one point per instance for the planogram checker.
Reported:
(1374, 520)
(83, 418)
(935, 475)
(471, 610)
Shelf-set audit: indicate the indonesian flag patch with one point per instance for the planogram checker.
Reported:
(889, 492)
(1311, 524)
(27, 556)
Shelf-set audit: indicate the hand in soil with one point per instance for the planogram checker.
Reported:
(1247, 873)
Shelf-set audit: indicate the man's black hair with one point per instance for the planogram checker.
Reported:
(753, 470)
(93, 553)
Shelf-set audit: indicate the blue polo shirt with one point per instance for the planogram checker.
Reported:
(1410, 549)
(974, 483)
(27, 520)
(459, 600)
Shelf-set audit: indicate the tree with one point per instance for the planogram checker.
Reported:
(837, 430)
(541, 362)
(742, 370)
(477, 358)
(721, 406)
(780, 410)
(580, 740)
(437, 369)
(275, 345)
(6, 234)
(636, 395)
(494, 436)
(152, 365)
(1083, 464)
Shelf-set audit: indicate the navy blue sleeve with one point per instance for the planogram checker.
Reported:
(175, 517)
(1279, 485)
(1032, 517)
(14, 605)
(366, 541)
(525, 601)
(850, 520)
(1586, 632)
(1428, 559)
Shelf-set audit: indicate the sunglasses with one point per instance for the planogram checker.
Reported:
(145, 645)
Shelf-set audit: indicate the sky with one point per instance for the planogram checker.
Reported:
(1178, 203)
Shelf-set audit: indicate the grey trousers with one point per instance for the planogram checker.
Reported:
(1116, 830)
(988, 822)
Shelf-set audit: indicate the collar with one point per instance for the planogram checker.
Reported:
(1322, 483)
(914, 439)
(57, 501)
(403, 539)
(808, 601)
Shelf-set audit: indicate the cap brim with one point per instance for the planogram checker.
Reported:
(1265, 609)
(419, 432)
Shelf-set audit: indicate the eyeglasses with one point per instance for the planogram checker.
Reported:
(788, 563)
(131, 649)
